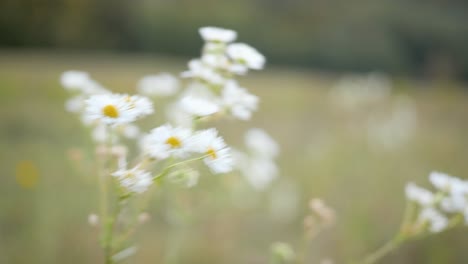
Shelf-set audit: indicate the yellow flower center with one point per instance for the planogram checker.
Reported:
(173, 142)
(212, 153)
(110, 111)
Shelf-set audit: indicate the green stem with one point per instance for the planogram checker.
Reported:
(382, 251)
(169, 168)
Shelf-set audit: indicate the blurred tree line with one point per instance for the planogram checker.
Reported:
(424, 37)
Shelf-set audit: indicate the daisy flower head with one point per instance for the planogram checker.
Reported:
(141, 105)
(216, 34)
(246, 55)
(239, 101)
(166, 140)
(111, 109)
(134, 180)
(163, 84)
(219, 158)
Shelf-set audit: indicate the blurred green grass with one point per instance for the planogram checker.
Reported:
(324, 154)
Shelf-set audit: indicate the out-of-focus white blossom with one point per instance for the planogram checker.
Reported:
(239, 101)
(260, 172)
(260, 143)
(419, 195)
(436, 221)
(198, 69)
(219, 158)
(165, 141)
(246, 55)
(81, 82)
(447, 183)
(198, 106)
(216, 34)
(163, 84)
(355, 91)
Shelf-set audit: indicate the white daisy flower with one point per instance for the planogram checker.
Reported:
(246, 55)
(141, 105)
(447, 183)
(454, 203)
(219, 158)
(216, 34)
(111, 109)
(239, 101)
(437, 222)
(163, 84)
(261, 144)
(419, 195)
(165, 141)
(134, 180)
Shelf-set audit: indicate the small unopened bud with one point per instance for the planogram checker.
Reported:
(282, 252)
(93, 220)
(187, 177)
(143, 217)
(326, 214)
(75, 154)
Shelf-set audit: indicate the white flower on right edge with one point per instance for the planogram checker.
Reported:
(246, 55)
(239, 101)
(219, 158)
(447, 183)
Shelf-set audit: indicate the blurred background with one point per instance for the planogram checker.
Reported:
(362, 96)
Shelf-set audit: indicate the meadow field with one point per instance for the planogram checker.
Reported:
(348, 155)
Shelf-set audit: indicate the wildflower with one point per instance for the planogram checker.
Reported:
(163, 84)
(215, 34)
(198, 106)
(219, 158)
(198, 69)
(261, 144)
(447, 183)
(240, 102)
(113, 109)
(165, 141)
(81, 82)
(246, 55)
(140, 104)
(259, 172)
(134, 180)
(419, 195)
(436, 221)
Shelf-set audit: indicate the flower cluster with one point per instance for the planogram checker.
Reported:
(170, 150)
(442, 209)
(211, 91)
